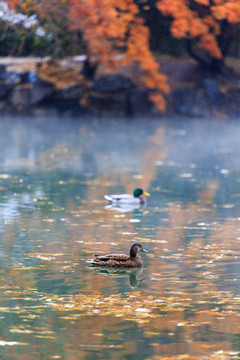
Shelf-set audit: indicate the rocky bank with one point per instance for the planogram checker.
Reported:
(46, 87)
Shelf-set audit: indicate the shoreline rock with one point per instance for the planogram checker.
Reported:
(26, 92)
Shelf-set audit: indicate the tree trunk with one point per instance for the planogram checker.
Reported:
(208, 63)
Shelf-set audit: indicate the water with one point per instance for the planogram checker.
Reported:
(183, 304)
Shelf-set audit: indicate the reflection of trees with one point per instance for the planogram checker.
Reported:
(153, 152)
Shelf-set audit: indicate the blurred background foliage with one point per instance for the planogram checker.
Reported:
(59, 41)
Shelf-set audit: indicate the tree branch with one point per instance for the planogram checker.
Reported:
(199, 59)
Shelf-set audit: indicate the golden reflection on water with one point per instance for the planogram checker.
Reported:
(183, 304)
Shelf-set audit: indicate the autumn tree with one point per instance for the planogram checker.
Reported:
(116, 36)
(208, 25)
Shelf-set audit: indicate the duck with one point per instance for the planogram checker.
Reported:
(138, 197)
(121, 260)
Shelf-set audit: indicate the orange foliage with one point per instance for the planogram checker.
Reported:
(229, 11)
(113, 31)
(203, 2)
(12, 4)
(44, 9)
(116, 35)
(202, 22)
(208, 42)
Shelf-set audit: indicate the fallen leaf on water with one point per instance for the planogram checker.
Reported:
(11, 343)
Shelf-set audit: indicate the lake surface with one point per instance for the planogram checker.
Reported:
(184, 303)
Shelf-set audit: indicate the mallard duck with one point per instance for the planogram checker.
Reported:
(138, 197)
(121, 260)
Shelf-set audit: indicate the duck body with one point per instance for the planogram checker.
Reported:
(121, 260)
(137, 198)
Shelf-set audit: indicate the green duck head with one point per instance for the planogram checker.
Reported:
(138, 192)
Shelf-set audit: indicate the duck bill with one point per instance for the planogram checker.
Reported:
(145, 193)
(143, 250)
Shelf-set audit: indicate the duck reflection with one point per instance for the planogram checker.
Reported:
(133, 274)
(137, 210)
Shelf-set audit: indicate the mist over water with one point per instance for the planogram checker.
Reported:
(25, 140)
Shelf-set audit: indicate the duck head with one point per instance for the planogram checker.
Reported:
(139, 192)
(135, 248)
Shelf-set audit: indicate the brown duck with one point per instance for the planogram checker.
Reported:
(121, 260)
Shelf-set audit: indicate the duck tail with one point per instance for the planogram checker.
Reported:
(90, 261)
(108, 197)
